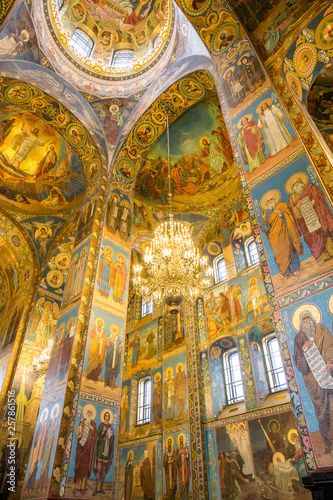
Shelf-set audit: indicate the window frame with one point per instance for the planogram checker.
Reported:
(143, 409)
(231, 386)
(115, 57)
(247, 243)
(146, 307)
(273, 374)
(219, 277)
(82, 36)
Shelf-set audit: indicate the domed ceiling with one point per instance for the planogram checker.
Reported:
(203, 173)
(39, 171)
(142, 27)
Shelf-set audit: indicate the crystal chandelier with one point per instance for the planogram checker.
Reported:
(40, 363)
(174, 269)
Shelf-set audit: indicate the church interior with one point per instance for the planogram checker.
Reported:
(119, 118)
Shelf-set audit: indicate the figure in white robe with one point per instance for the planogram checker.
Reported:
(270, 120)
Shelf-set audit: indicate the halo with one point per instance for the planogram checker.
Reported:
(179, 364)
(255, 343)
(55, 410)
(106, 410)
(241, 423)
(116, 326)
(89, 407)
(232, 69)
(25, 35)
(253, 278)
(42, 227)
(273, 192)
(178, 438)
(46, 413)
(120, 255)
(167, 439)
(277, 455)
(83, 251)
(234, 428)
(314, 310)
(248, 116)
(109, 251)
(205, 138)
(125, 203)
(115, 195)
(136, 333)
(60, 257)
(157, 377)
(113, 105)
(100, 319)
(128, 454)
(71, 322)
(124, 390)
(247, 54)
(270, 423)
(267, 101)
(291, 180)
(330, 304)
(290, 433)
(169, 369)
(48, 302)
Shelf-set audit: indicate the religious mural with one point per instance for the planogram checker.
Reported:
(76, 273)
(265, 136)
(175, 387)
(142, 347)
(93, 451)
(36, 161)
(138, 471)
(101, 370)
(308, 326)
(201, 160)
(295, 208)
(112, 277)
(177, 465)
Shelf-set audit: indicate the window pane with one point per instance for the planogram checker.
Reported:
(220, 271)
(146, 307)
(123, 59)
(276, 375)
(233, 378)
(82, 43)
(144, 401)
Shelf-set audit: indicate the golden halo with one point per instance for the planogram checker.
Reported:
(172, 441)
(125, 203)
(42, 227)
(314, 310)
(241, 424)
(89, 407)
(273, 192)
(112, 105)
(116, 327)
(179, 364)
(255, 343)
(71, 322)
(48, 303)
(248, 116)
(115, 195)
(120, 255)
(157, 377)
(232, 69)
(289, 435)
(277, 455)
(136, 333)
(204, 139)
(55, 410)
(83, 251)
(330, 304)
(46, 413)
(270, 423)
(301, 175)
(178, 438)
(253, 278)
(128, 454)
(234, 428)
(169, 369)
(267, 101)
(106, 410)
(108, 251)
(100, 319)
(124, 390)
(247, 54)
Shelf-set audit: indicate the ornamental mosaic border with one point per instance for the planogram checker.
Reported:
(142, 440)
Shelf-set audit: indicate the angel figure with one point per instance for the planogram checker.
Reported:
(48, 320)
(44, 232)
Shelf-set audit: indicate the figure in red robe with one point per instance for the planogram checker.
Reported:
(87, 436)
(183, 466)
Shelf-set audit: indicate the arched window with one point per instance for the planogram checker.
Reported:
(220, 269)
(251, 252)
(146, 307)
(233, 377)
(122, 59)
(274, 365)
(144, 401)
(82, 43)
